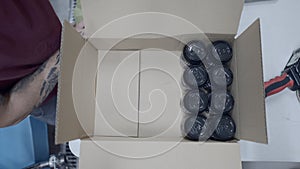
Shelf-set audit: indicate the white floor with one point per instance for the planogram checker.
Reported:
(280, 36)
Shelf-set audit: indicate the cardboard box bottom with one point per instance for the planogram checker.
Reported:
(132, 153)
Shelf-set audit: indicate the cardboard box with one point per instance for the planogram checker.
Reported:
(119, 92)
(211, 155)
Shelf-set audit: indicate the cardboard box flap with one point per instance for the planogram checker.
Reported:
(68, 126)
(84, 87)
(251, 100)
(126, 153)
(210, 16)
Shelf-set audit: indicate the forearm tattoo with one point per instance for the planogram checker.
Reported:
(25, 81)
(2, 100)
(48, 83)
(51, 80)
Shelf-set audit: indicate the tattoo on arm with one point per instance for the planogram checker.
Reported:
(24, 82)
(20, 85)
(51, 80)
(2, 100)
(57, 59)
(49, 83)
(34, 88)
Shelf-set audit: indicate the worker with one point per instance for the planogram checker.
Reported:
(30, 35)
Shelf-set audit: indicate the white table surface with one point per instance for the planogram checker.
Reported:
(280, 36)
(280, 28)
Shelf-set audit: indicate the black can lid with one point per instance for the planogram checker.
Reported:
(193, 127)
(195, 76)
(194, 52)
(225, 130)
(228, 75)
(217, 78)
(222, 49)
(218, 98)
(207, 85)
(195, 101)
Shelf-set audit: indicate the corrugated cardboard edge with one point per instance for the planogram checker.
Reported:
(234, 90)
(62, 133)
(252, 114)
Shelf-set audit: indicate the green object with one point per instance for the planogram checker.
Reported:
(78, 12)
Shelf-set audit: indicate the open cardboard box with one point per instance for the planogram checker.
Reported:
(110, 86)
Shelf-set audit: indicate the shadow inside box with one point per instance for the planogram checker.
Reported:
(260, 2)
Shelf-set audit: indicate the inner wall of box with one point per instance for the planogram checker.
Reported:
(100, 130)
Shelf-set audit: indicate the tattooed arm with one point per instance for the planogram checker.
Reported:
(29, 93)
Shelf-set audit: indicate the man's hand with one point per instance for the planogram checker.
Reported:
(29, 92)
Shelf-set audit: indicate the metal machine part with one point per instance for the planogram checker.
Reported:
(64, 160)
